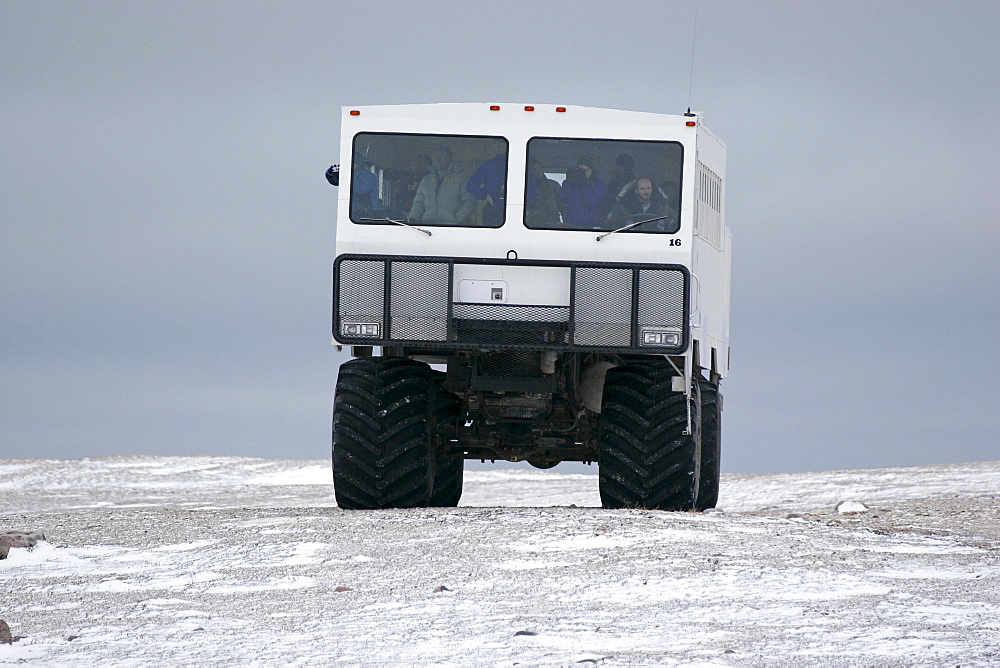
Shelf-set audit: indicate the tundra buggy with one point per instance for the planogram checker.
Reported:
(529, 283)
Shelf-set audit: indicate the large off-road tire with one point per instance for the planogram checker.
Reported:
(447, 482)
(449, 471)
(711, 445)
(382, 434)
(646, 459)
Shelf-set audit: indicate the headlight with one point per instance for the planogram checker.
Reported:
(651, 337)
(358, 329)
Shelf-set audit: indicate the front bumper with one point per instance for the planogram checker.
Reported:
(606, 307)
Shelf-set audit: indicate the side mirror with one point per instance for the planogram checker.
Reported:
(333, 175)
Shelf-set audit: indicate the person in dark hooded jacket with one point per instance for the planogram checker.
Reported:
(622, 176)
(582, 195)
(647, 200)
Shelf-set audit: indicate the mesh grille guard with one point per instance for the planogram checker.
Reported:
(404, 300)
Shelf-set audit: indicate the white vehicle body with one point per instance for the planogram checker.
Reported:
(533, 249)
(701, 244)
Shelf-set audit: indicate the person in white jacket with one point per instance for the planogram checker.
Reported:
(441, 197)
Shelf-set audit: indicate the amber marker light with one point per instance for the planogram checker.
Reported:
(355, 112)
(529, 108)
(691, 124)
(494, 107)
(560, 108)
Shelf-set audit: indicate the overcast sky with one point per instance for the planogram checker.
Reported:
(166, 232)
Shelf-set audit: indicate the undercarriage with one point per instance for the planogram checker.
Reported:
(406, 421)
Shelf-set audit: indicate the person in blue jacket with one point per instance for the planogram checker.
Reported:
(364, 191)
(582, 195)
(489, 183)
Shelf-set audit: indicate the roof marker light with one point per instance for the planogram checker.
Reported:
(494, 107)
(691, 124)
(355, 112)
(560, 108)
(529, 108)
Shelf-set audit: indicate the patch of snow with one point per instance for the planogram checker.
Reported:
(311, 475)
(242, 561)
(185, 547)
(851, 507)
(526, 565)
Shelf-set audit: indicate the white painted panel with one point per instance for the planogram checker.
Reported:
(542, 286)
(478, 291)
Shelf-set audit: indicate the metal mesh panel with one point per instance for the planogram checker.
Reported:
(607, 303)
(512, 332)
(511, 312)
(603, 303)
(419, 301)
(661, 298)
(512, 363)
(361, 288)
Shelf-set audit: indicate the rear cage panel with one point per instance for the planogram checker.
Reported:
(410, 301)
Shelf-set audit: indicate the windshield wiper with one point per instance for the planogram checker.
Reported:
(630, 226)
(397, 222)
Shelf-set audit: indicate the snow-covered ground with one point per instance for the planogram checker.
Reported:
(237, 561)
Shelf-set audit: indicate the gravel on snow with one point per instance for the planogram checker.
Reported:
(240, 561)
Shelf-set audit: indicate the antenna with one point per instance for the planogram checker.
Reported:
(694, 36)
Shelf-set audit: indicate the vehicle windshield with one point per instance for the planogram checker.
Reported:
(434, 180)
(603, 184)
